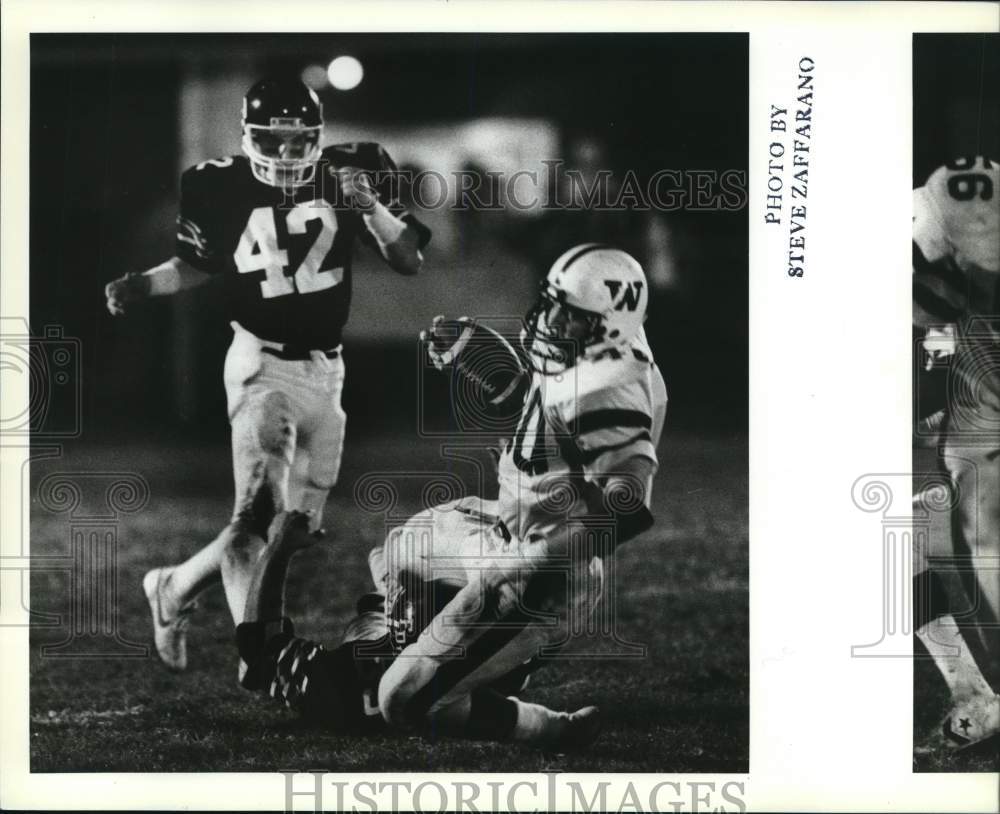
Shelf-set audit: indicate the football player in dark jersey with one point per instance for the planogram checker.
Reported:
(336, 689)
(339, 688)
(279, 224)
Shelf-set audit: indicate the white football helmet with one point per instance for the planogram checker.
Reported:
(593, 298)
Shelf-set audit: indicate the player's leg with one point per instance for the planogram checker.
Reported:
(322, 685)
(974, 713)
(320, 443)
(433, 545)
(445, 680)
(975, 472)
(263, 436)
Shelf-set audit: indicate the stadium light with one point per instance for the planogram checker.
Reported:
(345, 73)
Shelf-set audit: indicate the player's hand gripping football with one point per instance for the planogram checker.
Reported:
(126, 290)
(440, 340)
(356, 189)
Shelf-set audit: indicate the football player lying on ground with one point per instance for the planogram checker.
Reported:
(956, 282)
(502, 579)
(338, 689)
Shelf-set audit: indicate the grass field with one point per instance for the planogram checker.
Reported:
(682, 588)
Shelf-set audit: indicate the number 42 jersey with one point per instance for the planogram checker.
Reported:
(285, 257)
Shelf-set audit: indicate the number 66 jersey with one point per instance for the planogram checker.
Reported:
(956, 239)
(285, 256)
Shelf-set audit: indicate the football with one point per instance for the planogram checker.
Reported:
(488, 376)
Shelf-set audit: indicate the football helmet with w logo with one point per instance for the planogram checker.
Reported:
(593, 298)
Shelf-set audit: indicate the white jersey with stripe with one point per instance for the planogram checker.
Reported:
(956, 243)
(576, 428)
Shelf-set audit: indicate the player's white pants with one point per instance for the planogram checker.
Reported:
(287, 425)
(516, 602)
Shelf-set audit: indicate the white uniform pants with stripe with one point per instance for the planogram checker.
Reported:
(516, 602)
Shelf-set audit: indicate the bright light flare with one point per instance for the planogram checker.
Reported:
(314, 76)
(345, 73)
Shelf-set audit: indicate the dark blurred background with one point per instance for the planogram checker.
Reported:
(115, 119)
(955, 110)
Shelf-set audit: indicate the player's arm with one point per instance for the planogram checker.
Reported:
(939, 287)
(612, 436)
(398, 242)
(398, 236)
(196, 255)
(174, 275)
(623, 496)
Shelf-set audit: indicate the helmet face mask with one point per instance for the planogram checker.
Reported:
(593, 299)
(282, 127)
(556, 333)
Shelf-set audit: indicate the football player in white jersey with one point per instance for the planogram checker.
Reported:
(956, 299)
(574, 482)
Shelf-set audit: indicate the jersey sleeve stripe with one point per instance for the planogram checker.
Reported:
(189, 224)
(588, 456)
(609, 419)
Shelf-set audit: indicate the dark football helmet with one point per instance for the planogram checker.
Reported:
(282, 126)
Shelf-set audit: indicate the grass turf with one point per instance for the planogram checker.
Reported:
(682, 591)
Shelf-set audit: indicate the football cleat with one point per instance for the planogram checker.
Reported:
(169, 633)
(578, 731)
(972, 721)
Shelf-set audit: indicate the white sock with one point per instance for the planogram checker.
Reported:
(961, 673)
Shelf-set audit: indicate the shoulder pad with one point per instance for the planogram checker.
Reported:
(589, 377)
(215, 166)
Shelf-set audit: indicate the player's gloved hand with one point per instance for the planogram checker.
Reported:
(356, 189)
(438, 347)
(939, 343)
(292, 674)
(126, 290)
